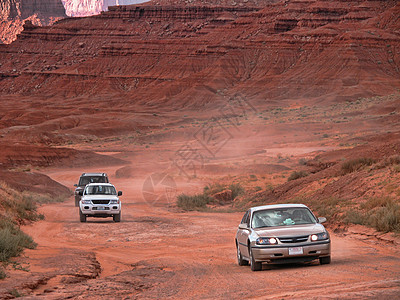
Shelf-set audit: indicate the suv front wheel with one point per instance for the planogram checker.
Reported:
(117, 218)
(82, 217)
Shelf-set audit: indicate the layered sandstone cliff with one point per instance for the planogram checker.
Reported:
(13, 14)
(75, 8)
(321, 50)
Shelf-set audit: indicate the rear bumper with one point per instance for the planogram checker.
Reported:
(280, 253)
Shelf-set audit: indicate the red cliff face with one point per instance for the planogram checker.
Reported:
(13, 14)
(189, 55)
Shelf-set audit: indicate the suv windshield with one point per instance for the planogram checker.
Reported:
(100, 190)
(84, 180)
(282, 217)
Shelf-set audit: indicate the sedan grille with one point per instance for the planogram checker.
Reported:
(100, 201)
(294, 239)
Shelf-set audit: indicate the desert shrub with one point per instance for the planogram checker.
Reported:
(391, 160)
(386, 218)
(26, 209)
(356, 164)
(14, 293)
(13, 240)
(376, 202)
(194, 202)
(383, 214)
(212, 189)
(303, 161)
(2, 273)
(236, 189)
(42, 198)
(297, 174)
(253, 177)
(355, 217)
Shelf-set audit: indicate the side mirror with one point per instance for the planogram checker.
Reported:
(321, 219)
(119, 193)
(243, 226)
(75, 185)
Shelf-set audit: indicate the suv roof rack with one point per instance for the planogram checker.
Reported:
(94, 174)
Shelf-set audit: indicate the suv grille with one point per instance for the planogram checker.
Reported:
(294, 239)
(100, 201)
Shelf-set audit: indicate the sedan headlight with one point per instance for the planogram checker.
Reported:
(86, 201)
(266, 241)
(319, 236)
(114, 202)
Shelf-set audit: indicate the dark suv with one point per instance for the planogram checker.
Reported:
(85, 179)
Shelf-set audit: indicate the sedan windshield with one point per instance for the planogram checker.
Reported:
(100, 190)
(282, 217)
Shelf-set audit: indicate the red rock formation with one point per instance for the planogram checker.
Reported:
(13, 14)
(315, 49)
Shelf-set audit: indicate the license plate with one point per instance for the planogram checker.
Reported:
(295, 250)
(100, 207)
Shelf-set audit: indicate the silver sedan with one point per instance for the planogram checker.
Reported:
(284, 233)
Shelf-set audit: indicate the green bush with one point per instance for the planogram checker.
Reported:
(356, 164)
(297, 174)
(194, 202)
(383, 214)
(13, 240)
(386, 218)
(236, 189)
(212, 189)
(355, 217)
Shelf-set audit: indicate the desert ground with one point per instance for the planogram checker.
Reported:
(160, 251)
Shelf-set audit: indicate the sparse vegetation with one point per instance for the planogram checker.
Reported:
(235, 188)
(303, 161)
(2, 273)
(356, 164)
(14, 293)
(12, 240)
(194, 202)
(382, 213)
(17, 208)
(297, 174)
(200, 201)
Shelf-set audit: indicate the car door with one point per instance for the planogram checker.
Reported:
(243, 235)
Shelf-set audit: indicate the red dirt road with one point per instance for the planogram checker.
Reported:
(157, 252)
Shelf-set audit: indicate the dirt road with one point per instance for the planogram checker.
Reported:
(157, 252)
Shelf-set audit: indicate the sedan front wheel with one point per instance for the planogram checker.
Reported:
(255, 266)
(241, 261)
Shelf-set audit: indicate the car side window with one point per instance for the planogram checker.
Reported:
(247, 221)
(245, 217)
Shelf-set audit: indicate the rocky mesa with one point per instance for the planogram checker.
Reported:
(13, 14)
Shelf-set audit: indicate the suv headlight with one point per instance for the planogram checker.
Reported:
(319, 236)
(266, 241)
(85, 201)
(114, 202)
